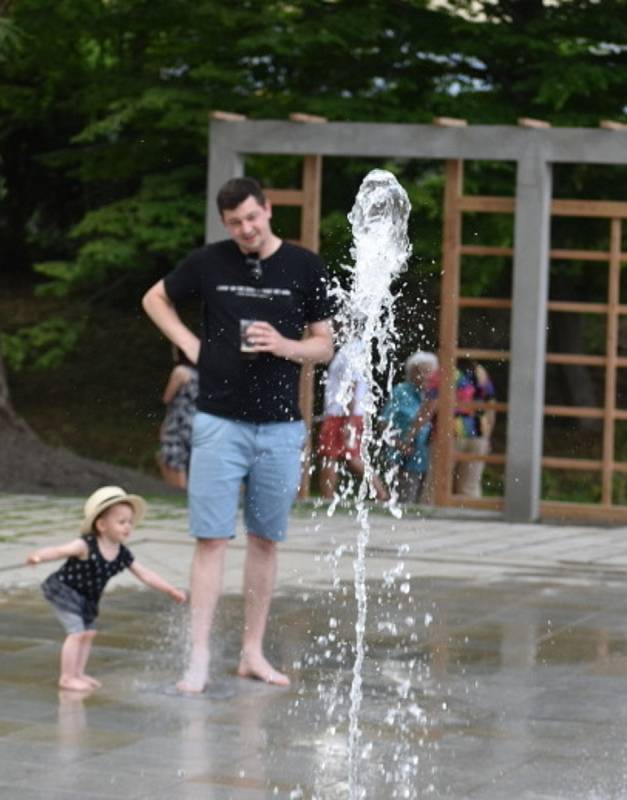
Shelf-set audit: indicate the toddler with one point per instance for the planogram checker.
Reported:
(74, 590)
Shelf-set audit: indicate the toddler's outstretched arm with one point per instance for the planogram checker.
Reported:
(77, 548)
(155, 581)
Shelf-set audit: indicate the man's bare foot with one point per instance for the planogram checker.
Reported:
(259, 668)
(195, 677)
(190, 687)
(75, 684)
(95, 684)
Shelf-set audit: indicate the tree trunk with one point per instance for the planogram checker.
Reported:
(578, 382)
(578, 387)
(8, 417)
(6, 409)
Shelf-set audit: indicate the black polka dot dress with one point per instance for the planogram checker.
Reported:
(87, 577)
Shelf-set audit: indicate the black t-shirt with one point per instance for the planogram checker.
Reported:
(291, 294)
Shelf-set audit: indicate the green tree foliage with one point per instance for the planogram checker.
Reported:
(104, 107)
(563, 61)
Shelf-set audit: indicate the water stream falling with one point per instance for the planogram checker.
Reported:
(380, 251)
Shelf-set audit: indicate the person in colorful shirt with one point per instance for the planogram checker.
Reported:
(472, 427)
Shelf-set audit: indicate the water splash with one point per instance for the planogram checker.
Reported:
(380, 247)
(380, 251)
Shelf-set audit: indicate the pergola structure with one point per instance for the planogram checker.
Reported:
(534, 147)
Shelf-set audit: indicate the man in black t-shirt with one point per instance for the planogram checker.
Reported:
(259, 296)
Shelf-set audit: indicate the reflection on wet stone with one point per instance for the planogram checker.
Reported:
(508, 691)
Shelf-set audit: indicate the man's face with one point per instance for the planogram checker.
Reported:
(249, 224)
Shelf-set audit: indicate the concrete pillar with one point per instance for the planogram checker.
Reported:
(224, 164)
(528, 337)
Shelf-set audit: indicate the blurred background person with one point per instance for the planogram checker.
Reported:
(339, 441)
(472, 427)
(175, 434)
(407, 434)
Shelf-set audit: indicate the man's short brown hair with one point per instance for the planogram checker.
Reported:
(235, 191)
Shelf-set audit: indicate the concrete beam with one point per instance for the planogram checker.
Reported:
(525, 418)
(535, 149)
(224, 163)
(484, 142)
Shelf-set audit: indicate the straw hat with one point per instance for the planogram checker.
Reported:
(108, 496)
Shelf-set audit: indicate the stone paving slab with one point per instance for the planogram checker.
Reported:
(432, 545)
(496, 666)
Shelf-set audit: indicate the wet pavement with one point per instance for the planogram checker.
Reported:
(496, 667)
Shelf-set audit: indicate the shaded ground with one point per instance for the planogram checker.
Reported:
(29, 465)
(103, 400)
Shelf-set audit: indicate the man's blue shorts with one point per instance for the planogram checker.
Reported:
(266, 458)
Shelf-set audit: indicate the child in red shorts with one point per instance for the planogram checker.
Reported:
(342, 426)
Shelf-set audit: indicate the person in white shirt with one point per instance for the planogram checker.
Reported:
(341, 431)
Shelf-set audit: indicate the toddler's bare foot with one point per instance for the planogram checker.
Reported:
(256, 666)
(74, 684)
(95, 684)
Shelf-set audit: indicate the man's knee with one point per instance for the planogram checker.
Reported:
(258, 542)
(208, 547)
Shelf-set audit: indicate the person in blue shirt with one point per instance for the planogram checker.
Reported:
(404, 452)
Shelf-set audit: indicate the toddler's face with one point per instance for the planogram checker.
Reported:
(116, 523)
